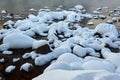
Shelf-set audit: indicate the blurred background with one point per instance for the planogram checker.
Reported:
(23, 5)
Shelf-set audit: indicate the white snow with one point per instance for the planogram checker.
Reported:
(69, 58)
(78, 75)
(65, 48)
(103, 28)
(58, 65)
(80, 51)
(37, 44)
(10, 68)
(98, 65)
(112, 57)
(16, 59)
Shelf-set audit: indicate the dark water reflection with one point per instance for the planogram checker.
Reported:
(23, 5)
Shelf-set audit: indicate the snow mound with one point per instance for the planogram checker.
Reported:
(80, 51)
(65, 48)
(69, 58)
(103, 28)
(16, 40)
(58, 65)
(98, 65)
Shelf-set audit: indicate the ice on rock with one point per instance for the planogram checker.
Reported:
(26, 67)
(10, 68)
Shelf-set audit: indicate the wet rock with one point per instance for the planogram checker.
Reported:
(43, 49)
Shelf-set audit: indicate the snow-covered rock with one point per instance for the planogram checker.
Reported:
(31, 55)
(43, 59)
(7, 52)
(16, 59)
(26, 67)
(10, 68)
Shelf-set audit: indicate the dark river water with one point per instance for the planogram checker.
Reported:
(18, 6)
